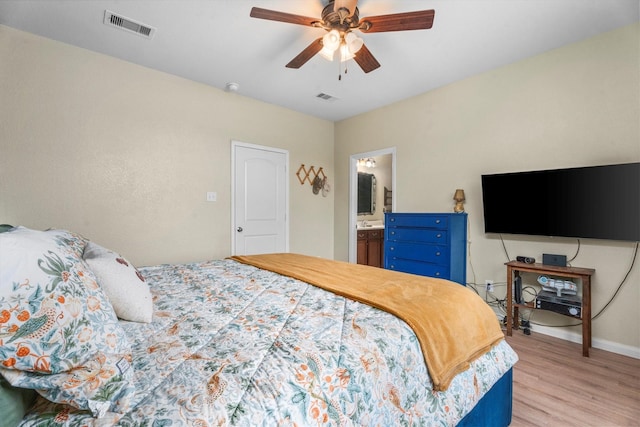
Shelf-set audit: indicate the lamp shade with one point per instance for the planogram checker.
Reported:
(459, 198)
(354, 43)
(345, 54)
(331, 40)
(327, 53)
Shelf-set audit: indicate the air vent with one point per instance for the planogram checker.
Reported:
(326, 97)
(114, 20)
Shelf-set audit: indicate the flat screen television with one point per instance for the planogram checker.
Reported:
(596, 202)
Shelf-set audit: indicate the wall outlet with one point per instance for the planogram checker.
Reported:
(212, 196)
(489, 285)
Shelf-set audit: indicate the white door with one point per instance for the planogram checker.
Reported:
(260, 197)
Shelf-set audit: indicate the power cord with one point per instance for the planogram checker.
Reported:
(509, 258)
(576, 255)
(626, 276)
(602, 310)
(505, 249)
(473, 271)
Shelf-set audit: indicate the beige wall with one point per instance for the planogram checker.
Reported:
(573, 106)
(125, 155)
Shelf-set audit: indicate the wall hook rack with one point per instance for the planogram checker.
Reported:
(310, 175)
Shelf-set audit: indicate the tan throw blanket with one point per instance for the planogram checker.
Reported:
(453, 324)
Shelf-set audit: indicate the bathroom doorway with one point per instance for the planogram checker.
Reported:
(382, 164)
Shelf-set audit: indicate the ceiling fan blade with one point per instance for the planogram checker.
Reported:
(274, 15)
(306, 54)
(350, 5)
(420, 20)
(366, 60)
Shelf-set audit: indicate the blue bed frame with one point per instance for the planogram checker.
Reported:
(494, 409)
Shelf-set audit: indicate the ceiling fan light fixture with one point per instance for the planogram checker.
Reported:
(327, 53)
(354, 43)
(339, 18)
(331, 40)
(345, 53)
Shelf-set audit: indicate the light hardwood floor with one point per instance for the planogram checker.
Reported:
(553, 385)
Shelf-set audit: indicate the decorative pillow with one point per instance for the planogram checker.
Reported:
(125, 287)
(58, 333)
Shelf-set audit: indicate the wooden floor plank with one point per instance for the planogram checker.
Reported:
(553, 385)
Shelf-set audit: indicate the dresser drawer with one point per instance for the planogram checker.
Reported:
(429, 244)
(417, 267)
(418, 252)
(420, 221)
(418, 235)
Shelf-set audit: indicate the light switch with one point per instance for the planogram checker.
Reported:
(212, 196)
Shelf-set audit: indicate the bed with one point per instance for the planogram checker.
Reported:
(229, 342)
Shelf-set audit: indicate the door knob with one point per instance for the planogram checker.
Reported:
(239, 229)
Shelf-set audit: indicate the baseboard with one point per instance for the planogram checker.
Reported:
(613, 347)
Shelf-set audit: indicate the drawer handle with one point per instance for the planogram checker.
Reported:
(437, 221)
(393, 233)
(393, 267)
(438, 235)
(437, 253)
(393, 219)
(392, 248)
(438, 273)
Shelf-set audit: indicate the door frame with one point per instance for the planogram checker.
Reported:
(234, 145)
(353, 193)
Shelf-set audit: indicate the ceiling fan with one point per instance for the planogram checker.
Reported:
(340, 18)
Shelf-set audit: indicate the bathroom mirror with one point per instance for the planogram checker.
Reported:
(366, 193)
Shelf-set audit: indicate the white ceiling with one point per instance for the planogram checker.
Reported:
(216, 42)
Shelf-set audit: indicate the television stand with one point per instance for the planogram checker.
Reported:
(514, 268)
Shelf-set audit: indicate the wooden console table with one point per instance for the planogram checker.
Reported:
(514, 269)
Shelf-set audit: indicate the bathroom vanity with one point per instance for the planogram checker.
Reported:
(370, 243)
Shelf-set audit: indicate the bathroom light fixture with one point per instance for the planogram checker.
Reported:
(369, 162)
(459, 198)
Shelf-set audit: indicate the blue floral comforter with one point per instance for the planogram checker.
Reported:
(234, 345)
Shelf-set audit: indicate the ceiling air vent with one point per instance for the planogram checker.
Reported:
(326, 97)
(114, 20)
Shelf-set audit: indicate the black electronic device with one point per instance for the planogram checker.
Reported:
(525, 259)
(597, 202)
(569, 305)
(553, 259)
(517, 289)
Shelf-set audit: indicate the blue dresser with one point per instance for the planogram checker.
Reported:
(429, 244)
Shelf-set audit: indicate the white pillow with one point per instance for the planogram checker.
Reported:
(124, 285)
